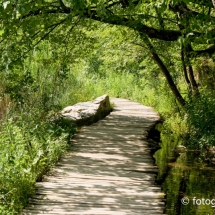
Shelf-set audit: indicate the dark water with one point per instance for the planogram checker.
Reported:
(185, 176)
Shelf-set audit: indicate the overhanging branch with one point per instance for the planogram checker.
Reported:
(52, 28)
(208, 51)
(166, 35)
(110, 18)
(207, 3)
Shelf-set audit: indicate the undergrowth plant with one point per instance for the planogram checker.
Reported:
(31, 140)
(201, 120)
(29, 147)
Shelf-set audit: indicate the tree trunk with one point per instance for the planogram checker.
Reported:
(184, 67)
(193, 83)
(169, 79)
(185, 72)
(185, 58)
(165, 71)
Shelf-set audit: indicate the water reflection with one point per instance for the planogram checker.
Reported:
(185, 175)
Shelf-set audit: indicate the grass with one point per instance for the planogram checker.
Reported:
(28, 148)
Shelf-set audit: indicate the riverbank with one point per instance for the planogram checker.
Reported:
(183, 176)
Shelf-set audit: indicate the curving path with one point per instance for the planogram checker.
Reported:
(108, 171)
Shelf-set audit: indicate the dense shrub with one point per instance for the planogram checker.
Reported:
(201, 121)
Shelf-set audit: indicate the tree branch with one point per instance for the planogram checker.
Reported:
(208, 51)
(70, 30)
(110, 18)
(53, 26)
(41, 10)
(164, 69)
(207, 3)
(183, 9)
(64, 7)
(166, 35)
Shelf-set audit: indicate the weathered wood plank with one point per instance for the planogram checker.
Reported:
(98, 199)
(103, 202)
(35, 205)
(97, 194)
(101, 177)
(53, 187)
(92, 212)
(124, 167)
(113, 137)
(58, 179)
(114, 151)
(84, 207)
(139, 162)
(108, 169)
(115, 143)
(68, 180)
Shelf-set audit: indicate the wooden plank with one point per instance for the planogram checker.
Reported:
(98, 199)
(104, 129)
(43, 201)
(113, 151)
(103, 202)
(76, 207)
(93, 165)
(134, 119)
(69, 180)
(102, 177)
(96, 193)
(113, 137)
(92, 183)
(122, 169)
(123, 173)
(113, 157)
(111, 123)
(134, 161)
(61, 179)
(108, 187)
(93, 212)
(107, 143)
(35, 205)
(109, 147)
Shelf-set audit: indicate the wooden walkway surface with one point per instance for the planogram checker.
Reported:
(108, 171)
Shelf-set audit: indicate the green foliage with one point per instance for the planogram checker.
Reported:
(201, 118)
(31, 139)
(29, 146)
(205, 67)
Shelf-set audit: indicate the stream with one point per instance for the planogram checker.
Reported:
(187, 180)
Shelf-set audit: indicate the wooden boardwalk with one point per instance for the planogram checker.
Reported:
(108, 171)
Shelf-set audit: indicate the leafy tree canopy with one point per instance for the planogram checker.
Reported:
(28, 22)
(25, 23)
